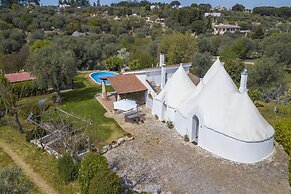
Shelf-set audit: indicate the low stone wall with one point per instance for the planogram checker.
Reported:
(115, 144)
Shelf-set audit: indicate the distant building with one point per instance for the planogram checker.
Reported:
(215, 14)
(223, 28)
(19, 77)
(64, 6)
(153, 7)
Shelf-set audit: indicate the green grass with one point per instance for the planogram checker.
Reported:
(7, 162)
(82, 103)
(41, 162)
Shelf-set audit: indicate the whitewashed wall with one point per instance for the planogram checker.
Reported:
(232, 149)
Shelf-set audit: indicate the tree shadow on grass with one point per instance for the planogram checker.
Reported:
(80, 94)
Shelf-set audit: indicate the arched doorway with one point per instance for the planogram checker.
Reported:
(195, 128)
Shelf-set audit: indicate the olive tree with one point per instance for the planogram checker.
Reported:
(10, 101)
(53, 66)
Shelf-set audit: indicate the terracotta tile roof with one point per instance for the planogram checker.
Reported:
(194, 78)
(19, 77)
(123, 84)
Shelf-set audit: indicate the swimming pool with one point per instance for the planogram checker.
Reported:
(97, 75)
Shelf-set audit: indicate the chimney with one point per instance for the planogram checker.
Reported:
(162, 59)
(243, 81)
(163, 70)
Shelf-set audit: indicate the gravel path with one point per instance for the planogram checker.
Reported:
(27, 170)
(159, 159)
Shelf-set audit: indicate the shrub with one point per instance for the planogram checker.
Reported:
(170, 124)
(13, 181)
(283, 134)
(35, 134)
(186, 138)
(105, 182)
(92, 165)
(67, 169)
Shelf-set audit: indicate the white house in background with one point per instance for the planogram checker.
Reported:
(223, 120)
(220, 29)
(175, 91)
(214, 14)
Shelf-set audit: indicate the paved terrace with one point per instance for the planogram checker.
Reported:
(159, 158)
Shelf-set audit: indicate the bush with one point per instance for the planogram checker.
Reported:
(67, 169)
(92, 165)
(170, 124)
(35, 134)
(283, 134)
(105, 182)
(12, 180)
(186, 138)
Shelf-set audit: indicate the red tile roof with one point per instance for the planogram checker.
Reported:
(123, 84)
(19, 77)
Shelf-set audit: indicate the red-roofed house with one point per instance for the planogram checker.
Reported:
(19, 77)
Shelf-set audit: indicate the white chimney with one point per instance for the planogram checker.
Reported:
(243, 81)
(163, 70)
(162, 59)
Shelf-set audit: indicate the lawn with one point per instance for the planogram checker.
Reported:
(5, 160)
(81, 102)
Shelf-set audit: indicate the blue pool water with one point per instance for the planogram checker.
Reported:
(97, 75)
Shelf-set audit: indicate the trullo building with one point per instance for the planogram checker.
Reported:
(176, 90)
(222, 119)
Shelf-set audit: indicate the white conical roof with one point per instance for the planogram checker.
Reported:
(178, 87)
(212, 71)
(227, 111)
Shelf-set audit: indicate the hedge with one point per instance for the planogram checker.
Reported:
(105, 182)
(92, 165)
(283, 136)
(67, 169)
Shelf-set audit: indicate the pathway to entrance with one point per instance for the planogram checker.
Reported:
(27, 170)
(160, 159)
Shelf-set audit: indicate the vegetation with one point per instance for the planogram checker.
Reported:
(12, 181)
(95, 177)
(54, 43)
(67, 168)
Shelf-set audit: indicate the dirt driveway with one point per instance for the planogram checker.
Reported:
(159, 159)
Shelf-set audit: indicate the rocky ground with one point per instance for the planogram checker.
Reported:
(158, 159)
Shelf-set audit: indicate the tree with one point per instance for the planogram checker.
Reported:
(98, 3)
(55, 66)
(175, 3)
(201, 63)
(178, 48)
(10, 101)
(92, 165)
(67, 169)
(238, 7)
(13, 181)
(259, 33)
(268, 76)
(114, 63)
(106, 182)
(40, 44)
(198, 26)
